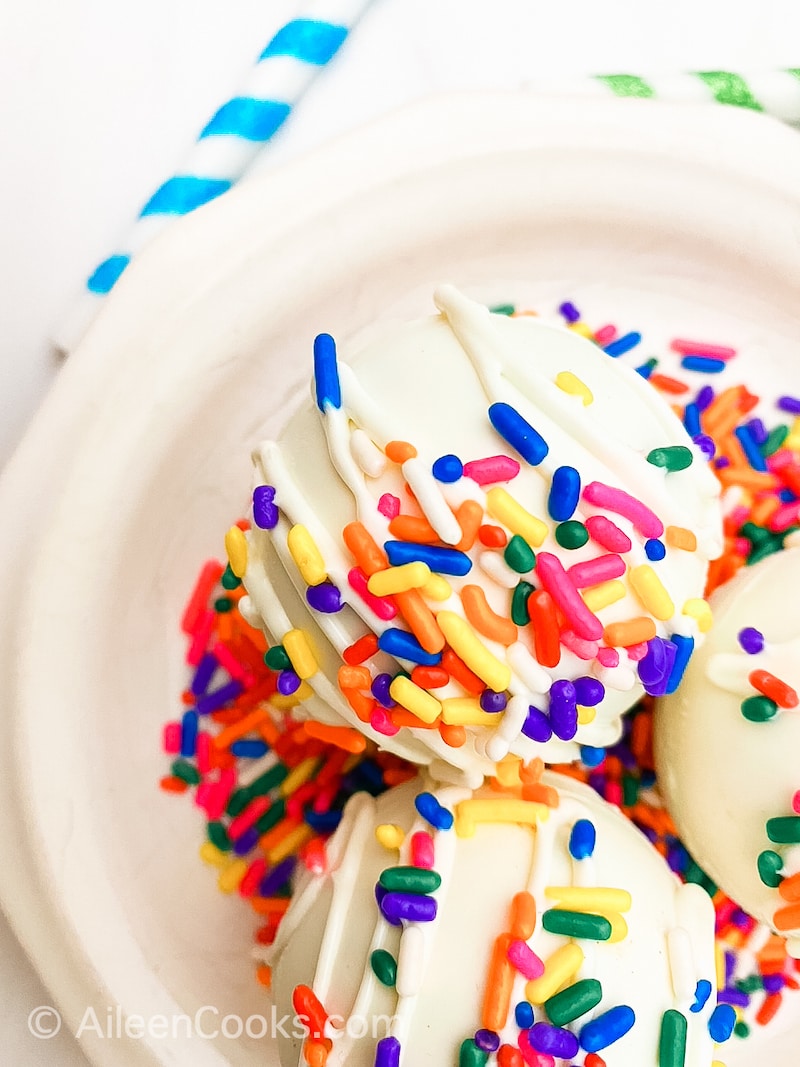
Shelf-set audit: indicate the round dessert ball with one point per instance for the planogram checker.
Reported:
(527, 922)
(727, 742)
(484, 536)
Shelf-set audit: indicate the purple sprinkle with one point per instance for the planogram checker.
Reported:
(653, 665)
(274, 880)
(588, 691)
(758, 430)
(214, 700)
(487, 1040)
(597, 780)
(563, 709)
(705, 444)
(790, 404)
(774, 983)
(265, 513)
(408, 907)
(387, 1052)
(492, 701)
(741, 919)
(751, 640)
(288, 683)
(204, 673)
(553, 1040)
(569, 311)
(324, 597)
(380, 690)
(676, 858)
(730, 966)
(246, 842)
(734, 997)
(537, 726)
(704, 397)
(380, 896)
(722, 463)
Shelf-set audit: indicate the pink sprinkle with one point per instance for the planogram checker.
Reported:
(780, 460)
(380, 722)
(605, 335)
(646, 522)
(252, 877)
(525, 959)
(203, 753)
(199, 642)
(637, 652)
(724, 911)
(326, 796)
(783, 517)
(235, 668)
(595, 571)
(701, 348)
(389, 505)
(383, 606)
(203, 794)
(422, 850)
(296, 804)
(613, 793)
(529, 1053)
(607, 657)
(582, 649)
(607, 534)
(491, 469)
(742, 546)
(250, 815)
(216, 804)
(739, 515)
(172, 738)
(554, 579)
(796, 802)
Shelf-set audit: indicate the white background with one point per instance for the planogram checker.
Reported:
(100, 101)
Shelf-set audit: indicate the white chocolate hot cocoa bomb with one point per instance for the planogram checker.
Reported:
(532, 931)
(482, 538)
(727, 745)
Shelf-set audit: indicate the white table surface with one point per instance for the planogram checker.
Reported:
(102, 99)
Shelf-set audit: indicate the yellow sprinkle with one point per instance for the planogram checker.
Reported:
(589, 898)
(418, 701)
(586, 715)
(437, 588)
(468, 646)
(507, 770)
(600, 596)
(582, 328)
(290, 844)
(399, 579)
(298, 775)
(469, 813)
(502, 506)
(303, 692)
(467, 711)
(569, 383)
(231, 875)
(719, 964)
(699, 610)
(295, 643)
(559, 968)
(307, 556)
(647, 586)
(390, 835)
(619, 928)
(717, 1063)
(236, 548)
(211, 855)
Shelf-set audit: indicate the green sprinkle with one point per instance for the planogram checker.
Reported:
(695, 874)
(277, 659)
(222, 605)
(410, 880)
(672, 1040)
(268, 780)
(218, 836)
(229, 579)
(741, 1029)
(759, 708)
(754, 983)
(785, 830)
(471, 1056)
(576, 924)
(571, 534)
(627, 85)
(630, 790)
(519, 555)
(671, 457)
(237, 802)
(756, 535)
(384, 966)
(770, 865)
(271, 817)
(573, 1001)
(766, 549)
(503, 309)
(775, 439)
(520, 615)
(729, 88)
(186, 771)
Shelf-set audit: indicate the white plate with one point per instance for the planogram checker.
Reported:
(139, 459)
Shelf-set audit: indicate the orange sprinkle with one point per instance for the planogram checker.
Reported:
(680, 537)
(787, 918)
(400, 451)
(725, 411)
(492, 536)
(782, 693)
(369, 556)
(531, 772)
(172, 784)
(507, 1055)
(245, 725)
(768, 1009)
(481, 617)
(789, 888)
(499, 986)
(544, 623)
(361, 704)
(642, 740)
(458, 670)
(278, 833)
(523, 916)
(264, 975)
(469, 515)
(188, 698)
(403, 717)
(398, 775)
(341, 736)
(269, 905)
(541, 794)
(630, 632)
(454, 736)
(354, 677)
(772, 949)
(224, 626)
(315, 1052)
(269, 731)
(362, 649)
(413, 528)
(421, 620)
(668, 385)
(763, 510)
(429, 677)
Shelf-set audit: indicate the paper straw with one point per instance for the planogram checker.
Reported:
(229, 142)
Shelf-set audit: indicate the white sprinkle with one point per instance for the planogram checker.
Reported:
(366, 453)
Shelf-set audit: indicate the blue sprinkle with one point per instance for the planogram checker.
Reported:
(701, 994)
(247, 748)
(323, 822)
(252, 120)
(786, 496)
(442, 560)
(646, 369)
(591, 756)
(582, 839)
(106, 275)
(518, 432)
(309, 40)
(523, 1015)
(704, 364)
(537, 726)
(654, 549)
(404, 645)
(369, 776)
(189, 724)
(607, 1028)
(691, 420)
(623, 344)
(750, 448)
(447, 469)
(721, 1023)
(179, 196)
(684, 649)
(565, 492)
(326, 373)
(432, 811)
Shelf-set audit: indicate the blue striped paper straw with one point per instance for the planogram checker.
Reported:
(232, 139)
